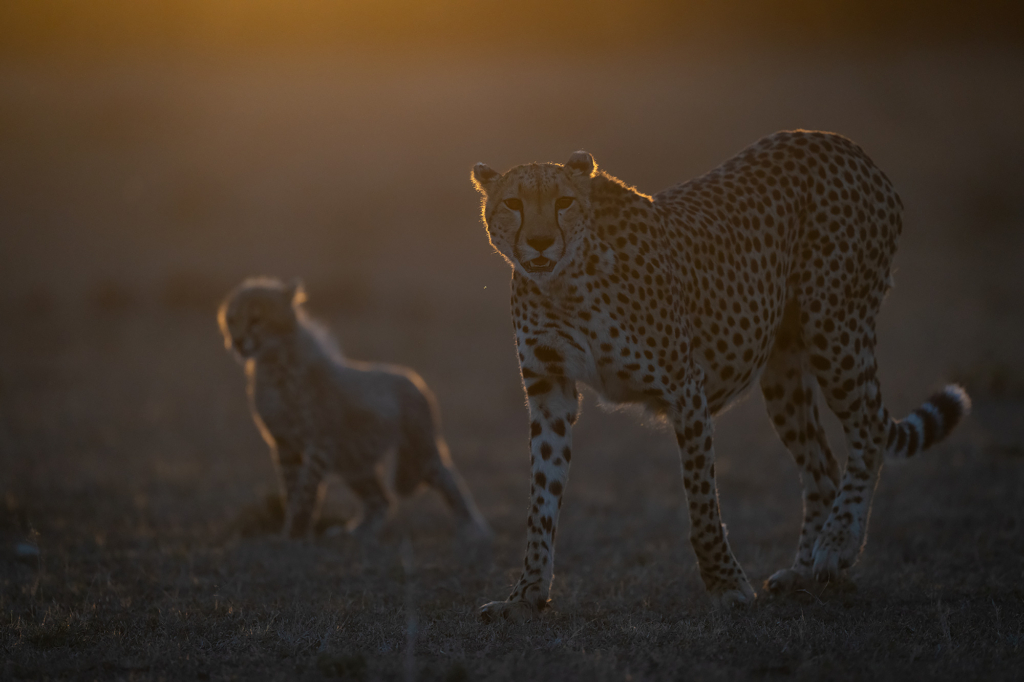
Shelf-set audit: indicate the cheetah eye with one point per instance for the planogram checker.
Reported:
(514, 204)
(563, 202)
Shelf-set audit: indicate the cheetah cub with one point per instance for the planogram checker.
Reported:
(322, 413)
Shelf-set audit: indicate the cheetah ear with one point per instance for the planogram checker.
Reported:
(582, 163)
(295, 291)
(484, 177)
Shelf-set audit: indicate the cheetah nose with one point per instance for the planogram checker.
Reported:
(540, 243)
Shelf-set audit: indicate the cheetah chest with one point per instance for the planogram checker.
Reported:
(613, 343)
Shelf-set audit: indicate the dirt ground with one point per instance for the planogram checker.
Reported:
(135, 533)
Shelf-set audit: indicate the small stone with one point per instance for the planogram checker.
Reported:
(26, 552)
(335, 531)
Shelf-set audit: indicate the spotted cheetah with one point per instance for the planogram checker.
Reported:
(320, 412)
(769, 269)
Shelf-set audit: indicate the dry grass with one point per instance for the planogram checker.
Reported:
(132, 199)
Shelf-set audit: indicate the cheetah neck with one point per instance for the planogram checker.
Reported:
(279, 356)
(623, 218)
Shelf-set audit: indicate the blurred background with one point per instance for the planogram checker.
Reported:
(153, 154)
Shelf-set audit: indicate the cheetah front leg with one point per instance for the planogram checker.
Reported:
(288, 459)
(304, 493)
(721, 572)
(554, 405)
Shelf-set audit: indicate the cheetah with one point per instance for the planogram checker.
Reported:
(322, 413)
(769, 269)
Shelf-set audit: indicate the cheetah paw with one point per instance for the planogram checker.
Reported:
(786, 580)
(741, 596)
(515, 611)
(835, 551)
(367, 530)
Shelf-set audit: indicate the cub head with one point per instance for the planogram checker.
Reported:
(259, 313)
(536, 214)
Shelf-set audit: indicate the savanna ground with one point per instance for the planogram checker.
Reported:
(134, 196)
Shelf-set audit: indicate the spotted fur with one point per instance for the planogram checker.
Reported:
(769, 269)
(321, 413)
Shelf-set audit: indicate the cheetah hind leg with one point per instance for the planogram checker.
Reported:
(472, 525)
(789, 395)
(376, 504)
(426, 460)
(847, 370)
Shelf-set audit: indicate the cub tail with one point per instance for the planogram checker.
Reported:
(928, 424)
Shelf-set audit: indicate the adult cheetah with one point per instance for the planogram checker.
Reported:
(770, 268)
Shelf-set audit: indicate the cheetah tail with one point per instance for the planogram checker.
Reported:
(928, 424)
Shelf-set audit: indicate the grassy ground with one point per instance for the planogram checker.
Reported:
(133, 198)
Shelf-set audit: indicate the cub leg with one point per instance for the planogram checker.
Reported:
(376, 505)
(443, 477)
(303, 498)
(288, 459)
(422, 457)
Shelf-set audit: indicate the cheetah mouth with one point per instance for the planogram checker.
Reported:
(245, 346)
(539, 264)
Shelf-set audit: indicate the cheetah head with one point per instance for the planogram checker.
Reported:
(258, 314)
(536, 214)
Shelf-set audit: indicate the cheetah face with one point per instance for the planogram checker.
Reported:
(536, 214)
(258, 314)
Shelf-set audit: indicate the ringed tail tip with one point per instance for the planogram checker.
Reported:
(928, 424)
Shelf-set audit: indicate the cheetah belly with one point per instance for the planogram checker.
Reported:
(723, 394)
(729, 378)
(616, 390)
(608, 368)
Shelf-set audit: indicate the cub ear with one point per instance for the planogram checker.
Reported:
(295, 291)
(582, 163)
(222, 323)
(484, 177)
